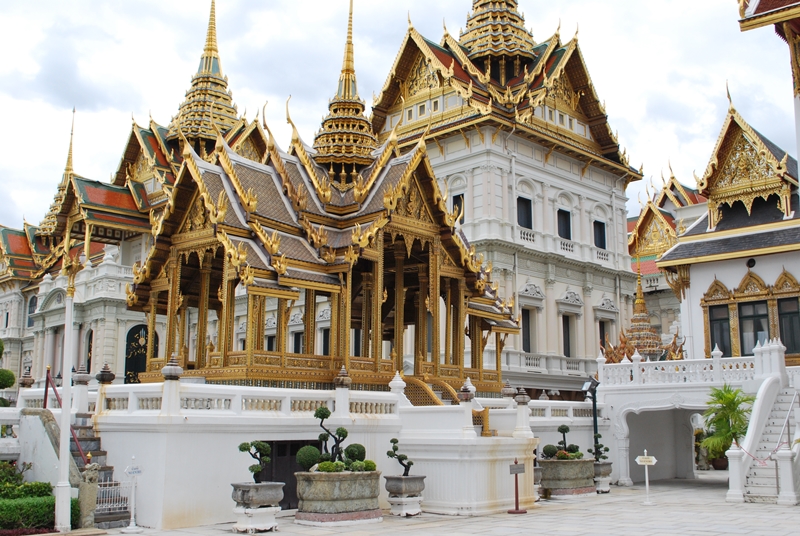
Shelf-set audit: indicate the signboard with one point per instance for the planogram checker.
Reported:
(517, 468)
(133, 470)
(646, 460)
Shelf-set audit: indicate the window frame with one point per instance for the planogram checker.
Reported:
(528, 211)
(762, 317)
(725, 329)
(596, 226)
(566, 215)
(790, 337)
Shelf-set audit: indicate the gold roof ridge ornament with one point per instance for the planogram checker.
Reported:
(208, 100)
(321, 184)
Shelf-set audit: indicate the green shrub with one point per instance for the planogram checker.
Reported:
(35, 512)
(572, 448)
(549, 451)
(355, 452)
(7, 378)
(259, 451)
(26, 490)
(562, 455)
(340, 466)
(369, 465)
(357, 466)
(4, 403)
(11, 473)
(326, 467)
(308, 457)
(325, 457)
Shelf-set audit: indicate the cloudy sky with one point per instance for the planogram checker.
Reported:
(660, 65)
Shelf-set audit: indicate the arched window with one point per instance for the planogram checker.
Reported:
(32, 304)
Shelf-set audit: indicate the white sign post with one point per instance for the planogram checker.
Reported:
(647, 461)
(132, 471)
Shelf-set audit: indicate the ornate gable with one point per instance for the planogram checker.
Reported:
(745, 166)
(653, 234)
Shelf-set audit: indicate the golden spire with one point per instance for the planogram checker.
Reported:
(208, 101)
(346, 137)
(68, 170)
(347, 80)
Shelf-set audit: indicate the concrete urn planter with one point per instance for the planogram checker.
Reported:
(338, 498)
(602, 476)
(567, 477)
(405, 494)
(256, 505)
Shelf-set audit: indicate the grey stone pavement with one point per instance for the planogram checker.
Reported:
(682, 507)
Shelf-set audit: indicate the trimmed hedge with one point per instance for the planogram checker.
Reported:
(26, 490)
(35, 512)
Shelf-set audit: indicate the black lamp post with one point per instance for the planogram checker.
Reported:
(590, 388)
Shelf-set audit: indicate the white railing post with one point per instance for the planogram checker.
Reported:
(601, 362)
(637, 367)
(735, 474)
(398, 387)
(716, 361)
(171, 394)
(758, 352)
(787, 495)
(342, 401)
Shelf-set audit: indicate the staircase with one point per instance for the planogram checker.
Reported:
(91, 444)
(761, 482)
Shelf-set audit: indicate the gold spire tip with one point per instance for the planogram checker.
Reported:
(211, 35)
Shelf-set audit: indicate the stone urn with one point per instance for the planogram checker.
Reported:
(338, 498)
(567, 477)
(602, 476)
(256, 505)
(405, 494)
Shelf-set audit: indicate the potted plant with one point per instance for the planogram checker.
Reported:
(564, 471)
(405, 491)
(726, 420)
(340, 488)
(602, 469)
(256, 502)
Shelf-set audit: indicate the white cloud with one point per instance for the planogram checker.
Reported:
(661, 70)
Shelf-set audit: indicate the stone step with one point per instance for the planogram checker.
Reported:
(761, 481)
(87, 443)
(764, 499)
(83, 419)
(84, 431)
(112, 521)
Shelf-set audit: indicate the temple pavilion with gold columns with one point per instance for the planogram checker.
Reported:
(349, 227)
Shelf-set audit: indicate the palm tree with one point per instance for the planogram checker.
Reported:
(726, 418)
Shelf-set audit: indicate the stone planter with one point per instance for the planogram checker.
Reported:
(338, 498)
(405, 494)
(602, 476)
(567, 477)
(256, 505)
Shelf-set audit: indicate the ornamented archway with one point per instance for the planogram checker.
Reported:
(136, 352)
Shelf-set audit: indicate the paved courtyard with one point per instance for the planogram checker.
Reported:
(682, 507)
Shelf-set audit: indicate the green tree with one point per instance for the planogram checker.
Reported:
(726, 418)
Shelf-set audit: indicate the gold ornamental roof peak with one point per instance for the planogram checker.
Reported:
(208, 100)
(496, 28)
(68, 169)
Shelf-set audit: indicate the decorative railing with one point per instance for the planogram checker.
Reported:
(557, 409)
(566, 246)
(526, 235)
(601, 255)
(729, 370)
(549, 364)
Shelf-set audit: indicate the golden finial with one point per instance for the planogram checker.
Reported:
(211, 35)
(409, 21)
(558, 30)
(68, 171)
(577, 29)
(347, 85)
(728, 92)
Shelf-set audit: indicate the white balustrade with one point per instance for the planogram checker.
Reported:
(527, 235)
(567, 246)
(601, 255)
(560, 410)
(731, 370)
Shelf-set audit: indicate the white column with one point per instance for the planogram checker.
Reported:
(63, 489)
(469, 197)
(590, 334)
(74, 345)
(49, 350)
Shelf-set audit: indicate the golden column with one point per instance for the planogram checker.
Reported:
(399, 301)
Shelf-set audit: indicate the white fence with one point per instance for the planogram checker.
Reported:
(716, 370)
(113, 497)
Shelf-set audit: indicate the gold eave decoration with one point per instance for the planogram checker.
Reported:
(317, 237)
(362, 189)
(249, 199)
(365, 237)
(321, 184)
(271, 243)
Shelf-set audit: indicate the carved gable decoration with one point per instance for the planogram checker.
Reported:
(197, 219)
(751, 285)
(653, 235)
(563, 92)
(717, 292)
(142, 169)
(413, 205)
(422, 77)
(606, 309)
(786, 283)
(570, 303)
(248, 150)
(532, 294)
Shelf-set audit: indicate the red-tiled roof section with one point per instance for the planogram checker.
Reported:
(17, 243)
(648, 265)
(765, 6)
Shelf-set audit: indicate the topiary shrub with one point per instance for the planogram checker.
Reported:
(325, 457)
(599, 449)
(402, 459)
(355, 452)
(563, 430)
(369, 465)
(340, 466)
(259, 451)
(357, 466)
(307, 457)
(549, 451)
(7, 378)
(573, 448)
(326, 467)
(337, 453)
(35, 512)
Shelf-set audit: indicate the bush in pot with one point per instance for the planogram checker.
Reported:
(256, 502)
(726, 418)
(564, 471)
(602, 469)
(405, 491)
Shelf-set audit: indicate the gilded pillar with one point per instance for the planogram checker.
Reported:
(366, 315)
(172, 303)
(476, 343)
(422, 302)
(250, 338)
(733, 315)
(347, 317)
(335, 335)
(459, 338)
(399, 301)
(281, 331)
(310, 321)
(434, 282)
(202, 312)
(87, 243)
(376, 325)
(448, 323)
(151, 328)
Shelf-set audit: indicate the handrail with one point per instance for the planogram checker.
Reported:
(49, 381)
(786, 425)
